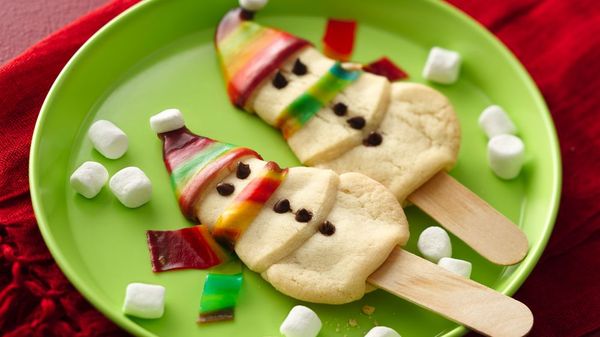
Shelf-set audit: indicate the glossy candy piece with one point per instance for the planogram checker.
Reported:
(303, 108)
(249, 52)
(243, 210)
(338, 41)
(219, 297)
(195, 163)
(186, 248)
(385, 67)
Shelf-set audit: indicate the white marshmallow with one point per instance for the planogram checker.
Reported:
(506, 154)
(253, 5)
(434, 244)
(89, 178)
(131, 186)
(494, 121)
(442, 66)
(144, 300)
(167, 120)
(301, 322)
(108, 139)
(457, 266)
(382, 331)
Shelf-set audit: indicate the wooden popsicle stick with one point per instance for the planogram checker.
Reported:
(471, 219)
(452, 296)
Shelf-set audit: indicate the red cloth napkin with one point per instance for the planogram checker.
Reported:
(558, 42)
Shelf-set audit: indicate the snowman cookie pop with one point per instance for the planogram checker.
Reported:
(335, 116)
(315, 235)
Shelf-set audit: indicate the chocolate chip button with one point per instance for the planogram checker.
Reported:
(282, 206)
(303, 215)
(373, 139)
(243, 171)
(299, 68)
(225, 189)
(340, 109)
(327, 228)
(356, 122)
(279, 81)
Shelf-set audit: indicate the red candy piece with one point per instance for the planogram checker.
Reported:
(338, 41)
(385, 67)
(186, 248)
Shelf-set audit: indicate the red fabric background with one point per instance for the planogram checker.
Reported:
(558, 41)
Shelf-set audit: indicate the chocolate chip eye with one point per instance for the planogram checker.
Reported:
(340, 109)
(225, 189)
(356, 122)
(327, 228)
(243, 171)
(282, 206)
(373, 139)
(279, 81)
(299, 68)
(303, 215)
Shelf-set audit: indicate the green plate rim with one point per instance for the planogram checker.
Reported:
(519, 276)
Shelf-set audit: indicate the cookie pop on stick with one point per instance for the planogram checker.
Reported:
(318, 236)
(404, 135)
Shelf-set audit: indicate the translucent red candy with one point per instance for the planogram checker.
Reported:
(338, 41)
(385, 67)
(186, 248)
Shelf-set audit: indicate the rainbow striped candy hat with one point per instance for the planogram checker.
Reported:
(249, 52)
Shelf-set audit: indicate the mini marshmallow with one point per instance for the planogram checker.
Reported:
(144, 300)
(382, 331)
(253, 5)
(434, 244)
(506, 154)
(442, 66)
(301, 322)
(89, 178)
(108, 139)
(168, 120)
(131, 186)
(460, 267)
(494, 121)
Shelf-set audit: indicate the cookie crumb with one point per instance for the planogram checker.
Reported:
(368, 310)
(352, 322)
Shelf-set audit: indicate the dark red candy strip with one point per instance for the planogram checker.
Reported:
(186, 248)
(385, 67)
(338, 41)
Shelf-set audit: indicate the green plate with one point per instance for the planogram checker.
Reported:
(159, 54)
